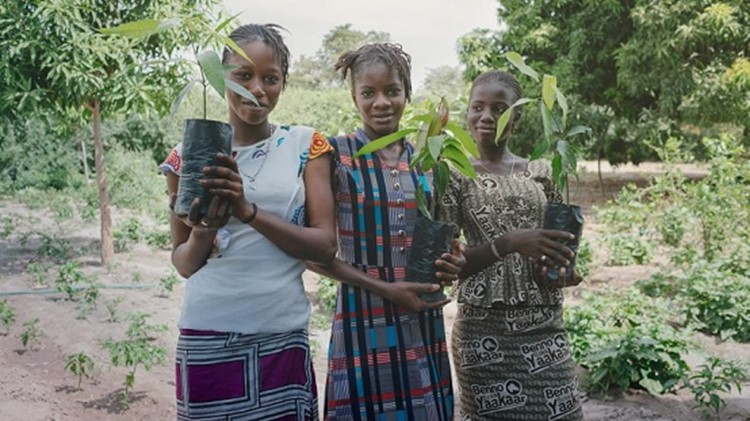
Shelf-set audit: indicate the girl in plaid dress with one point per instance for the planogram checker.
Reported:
(388, 358)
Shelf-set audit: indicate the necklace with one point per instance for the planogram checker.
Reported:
(258, 154)
(512, 173)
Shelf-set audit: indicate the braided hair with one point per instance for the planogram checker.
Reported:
(503, 78)
(391, 55)
(270, 35)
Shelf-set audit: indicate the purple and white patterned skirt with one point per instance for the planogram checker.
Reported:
(248, 377)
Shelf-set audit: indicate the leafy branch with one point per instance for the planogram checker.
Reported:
(554, 110)
(439, 144)
(212, 70)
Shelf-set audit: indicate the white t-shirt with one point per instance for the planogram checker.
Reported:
(251, 286)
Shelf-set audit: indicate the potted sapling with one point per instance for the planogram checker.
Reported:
(202, 138)
(555, 145)
(438, 145)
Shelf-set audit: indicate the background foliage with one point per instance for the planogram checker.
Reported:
(642, 71)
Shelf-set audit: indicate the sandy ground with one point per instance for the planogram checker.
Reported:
(34, 384)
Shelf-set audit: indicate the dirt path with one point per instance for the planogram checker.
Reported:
(35, 385)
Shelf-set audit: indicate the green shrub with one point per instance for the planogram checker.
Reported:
(713, 377)
(137, 349)
(80, 365)
(56, 248)
(69, 277)
(134, 181)
(717, 302)
(626, 211)
(628, 249)
(327, 293)
(624, 339)
(7, 315)
(671, 225)
(130, 232)
(38, 270)
(583, 258)
(169, 281)
(159, 239)
(31, 334)
(35, 154)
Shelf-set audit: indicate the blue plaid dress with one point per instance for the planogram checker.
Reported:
(384, 363)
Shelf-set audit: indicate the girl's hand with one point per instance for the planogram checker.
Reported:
(406, 295)
(224, 181)
(564, 278)
(451, 263)
(542, 245)
(218, 214)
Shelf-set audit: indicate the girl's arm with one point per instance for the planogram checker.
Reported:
(403, 294)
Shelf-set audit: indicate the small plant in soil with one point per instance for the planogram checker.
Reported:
(7, 227)
(31, 334)
(137, 349)
(80, 365)
(69, 276)
(712, 378)
(112, 305)
(7, 316)
(168, 282)
(38, 271)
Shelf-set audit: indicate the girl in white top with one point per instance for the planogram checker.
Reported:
(243, 349)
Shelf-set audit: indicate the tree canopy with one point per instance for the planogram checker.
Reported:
(57, 62)
(643, 70)
(317, 71)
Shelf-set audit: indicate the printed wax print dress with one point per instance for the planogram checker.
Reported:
(384, 363)
(509, 346)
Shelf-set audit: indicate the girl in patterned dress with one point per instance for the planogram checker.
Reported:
(387, 359)
(510, 349)
(243, 350)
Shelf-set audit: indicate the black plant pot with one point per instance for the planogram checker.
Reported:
(561, 217)
(430, 240)
(202, 140)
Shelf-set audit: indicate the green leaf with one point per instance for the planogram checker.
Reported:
(578, 130)
(557, 171)
(210, 65)
(652, 386)
(435, 145)
(422, 201)
(236, 48)
(459, 161)
(547, 121)
(168, 23)
(441, 176)
(240, 90)
(518, 62)
(465, 138)
(502, 122)
(539, 150)
(382, 142)
(549, 84)
(181, 96)
(138, 29)
(223, 24)
(563, 104)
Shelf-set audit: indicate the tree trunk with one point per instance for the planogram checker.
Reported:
(108, 247)
(85, 161)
